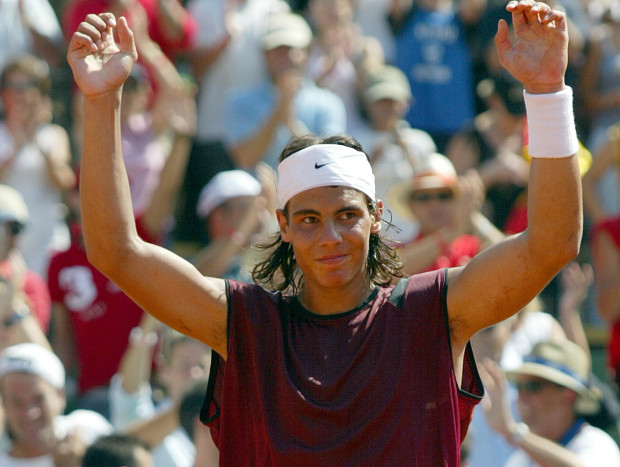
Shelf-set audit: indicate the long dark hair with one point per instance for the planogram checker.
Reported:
(279, 271)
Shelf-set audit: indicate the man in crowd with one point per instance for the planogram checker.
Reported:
(32, 386)
(553, 396)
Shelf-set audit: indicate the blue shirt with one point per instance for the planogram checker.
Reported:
(321, 111)
(433, 52)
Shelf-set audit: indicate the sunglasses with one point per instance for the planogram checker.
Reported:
(533, 386)
(426, 197)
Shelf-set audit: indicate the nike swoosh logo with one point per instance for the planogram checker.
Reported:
(318, 165)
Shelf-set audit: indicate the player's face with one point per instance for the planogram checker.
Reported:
(329, 229)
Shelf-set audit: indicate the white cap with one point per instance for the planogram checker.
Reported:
(12, 205)
(287, 29)
(35, 360)
(224, 186)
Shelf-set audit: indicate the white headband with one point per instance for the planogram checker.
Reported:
(324, 165)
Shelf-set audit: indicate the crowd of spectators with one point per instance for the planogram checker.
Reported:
(220, 87)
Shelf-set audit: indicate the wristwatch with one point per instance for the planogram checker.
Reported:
(19, 313)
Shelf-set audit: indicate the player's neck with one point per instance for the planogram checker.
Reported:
(334, 300)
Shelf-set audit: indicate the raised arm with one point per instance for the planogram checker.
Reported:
(505, 277)
(162, 283)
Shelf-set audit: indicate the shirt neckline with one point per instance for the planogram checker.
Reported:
(304, 311)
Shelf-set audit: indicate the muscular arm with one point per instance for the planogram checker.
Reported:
(162, 283)
(505, 277)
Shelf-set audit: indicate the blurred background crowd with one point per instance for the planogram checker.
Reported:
(220, 87)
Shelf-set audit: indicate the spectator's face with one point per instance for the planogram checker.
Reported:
(329, 229)
(329, 13)
(433, 208)
(284, 59)
(189, 362)
(19, 90)
(385, 113)
(30, 405)
(541, 403)
(227, 218)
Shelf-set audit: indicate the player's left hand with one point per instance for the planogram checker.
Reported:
(537, 55)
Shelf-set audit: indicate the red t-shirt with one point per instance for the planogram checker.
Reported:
(372, 386)
(517, 219)
(76, 11)
(102, 316)
(612, 227)
(459, 252)
(38, 295)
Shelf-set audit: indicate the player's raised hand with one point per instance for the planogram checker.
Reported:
(537, 54)
(98, 62)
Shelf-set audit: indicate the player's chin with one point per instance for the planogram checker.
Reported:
(338, 278)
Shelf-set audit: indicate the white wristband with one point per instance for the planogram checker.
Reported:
(551, 124)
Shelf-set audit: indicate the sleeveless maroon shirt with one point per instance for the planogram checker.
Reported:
(372, 386)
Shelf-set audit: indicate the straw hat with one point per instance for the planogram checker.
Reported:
(564, 363)
(434, 172)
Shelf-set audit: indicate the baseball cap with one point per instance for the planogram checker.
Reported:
(35, 360)
(286, 29)
(224, 186)
(564, 363)
(12, 206)
(434, 171)
(388, 82)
